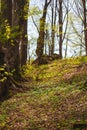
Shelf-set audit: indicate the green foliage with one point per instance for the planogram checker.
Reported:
(34, 11)
(3, 33)
(4, 74)
(7, 30)
(8, 33)
(2, 120)
(26, 8)
(60, 70)
(15, 32)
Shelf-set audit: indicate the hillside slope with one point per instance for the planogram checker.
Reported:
(54, 97)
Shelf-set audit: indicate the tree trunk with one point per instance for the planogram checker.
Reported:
(54, 7)
(6, 7)
(23, 44)
(40, 40)
(22, 6)
(60, 28)
(3, 82)
(52, 33)
(85, 23)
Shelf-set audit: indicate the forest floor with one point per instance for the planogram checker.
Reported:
(53, 97)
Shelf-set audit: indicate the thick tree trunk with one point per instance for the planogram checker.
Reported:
(23, 44)
(3, 81)
(12, 12)
(23, 30)
(6, 16)
(40, 40)
(6, 7)
(18, 20)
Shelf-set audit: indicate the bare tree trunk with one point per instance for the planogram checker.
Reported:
(23, 30)
(52, 26)
(15, 18)
(23, 44)
(85, 23)
(60, 28)
(18, 19)
(66, 47)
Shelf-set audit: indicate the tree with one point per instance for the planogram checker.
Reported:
(81, 12)
(40, 40)
(13, 30)
(53, 24)
(85, 23)
(6, 7)
(19, 19)
(23, 15)
(60, 27)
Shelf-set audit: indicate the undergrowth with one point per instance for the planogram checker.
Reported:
(55, 97)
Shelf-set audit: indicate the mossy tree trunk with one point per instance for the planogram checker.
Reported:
(40, 40)
(13, 13)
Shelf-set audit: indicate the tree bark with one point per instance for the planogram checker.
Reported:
(18, 19)
(6, 7)
(85, 23)
(22, 5)
(54, 7)
(40, 40)
(60, 28)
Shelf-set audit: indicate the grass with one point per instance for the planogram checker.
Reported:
(55, 97)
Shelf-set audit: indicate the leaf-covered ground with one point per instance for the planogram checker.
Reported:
(54, 97)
